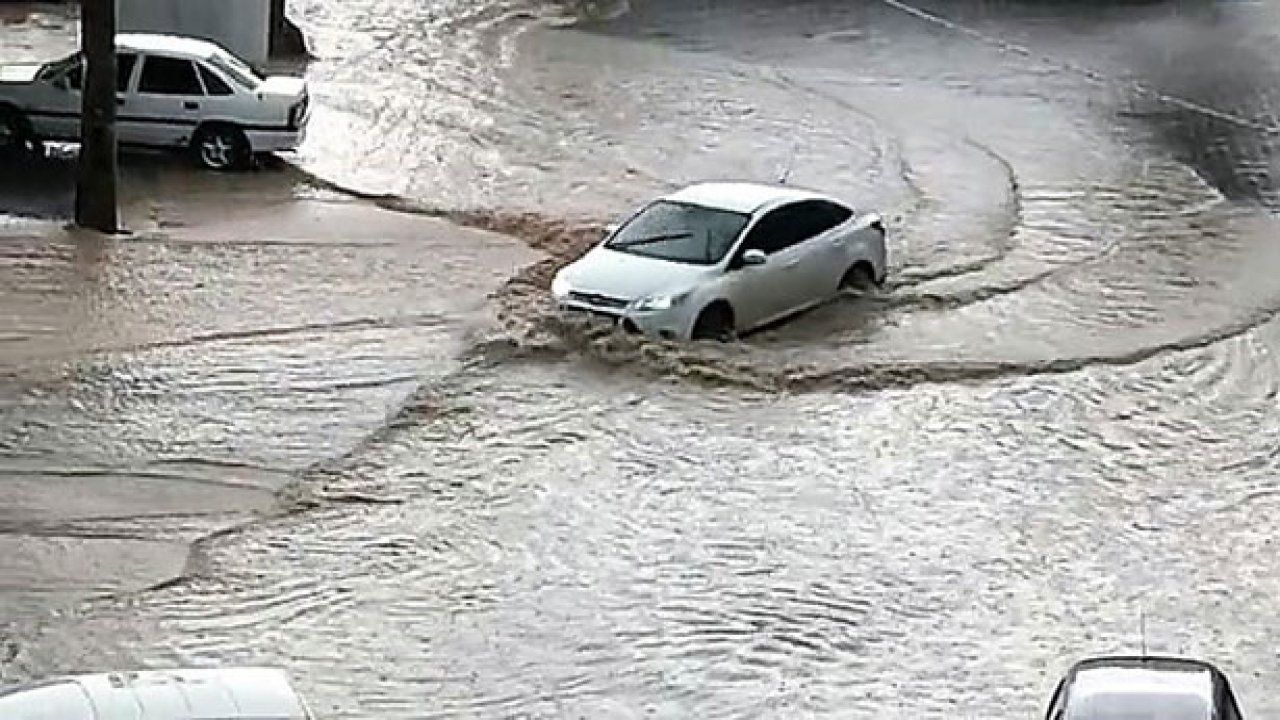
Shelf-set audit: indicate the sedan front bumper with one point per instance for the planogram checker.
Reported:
(670, 324)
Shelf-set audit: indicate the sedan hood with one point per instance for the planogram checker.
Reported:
(23, 73)
(631, 277)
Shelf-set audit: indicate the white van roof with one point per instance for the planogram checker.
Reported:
(204, 694)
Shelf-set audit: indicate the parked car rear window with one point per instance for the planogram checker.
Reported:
(1139, 705)
(214, 84)
(236, 70)
(169, 76)
(680, 232)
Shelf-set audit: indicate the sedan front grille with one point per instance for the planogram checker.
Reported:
(597, 300)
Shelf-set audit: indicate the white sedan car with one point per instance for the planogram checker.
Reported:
(721, 258)
(240, 693)
(171, 92)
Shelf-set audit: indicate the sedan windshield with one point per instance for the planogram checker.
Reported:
(679, 232)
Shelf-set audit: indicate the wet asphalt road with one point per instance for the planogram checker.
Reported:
(1060, 418)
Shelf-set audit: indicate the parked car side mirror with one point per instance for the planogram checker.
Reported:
(754, 257)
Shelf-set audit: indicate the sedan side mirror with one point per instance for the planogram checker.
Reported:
(754, 257)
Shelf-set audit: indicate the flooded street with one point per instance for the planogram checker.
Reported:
(336, 432)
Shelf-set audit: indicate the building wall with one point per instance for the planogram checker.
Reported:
(242, 26)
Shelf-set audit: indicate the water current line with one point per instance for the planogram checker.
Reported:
(1140, 87)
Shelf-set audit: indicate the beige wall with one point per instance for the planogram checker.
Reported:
(242, 26)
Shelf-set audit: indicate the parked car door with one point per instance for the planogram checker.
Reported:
(166, 106)
(220, 99)
(68, 105)
(764, 292)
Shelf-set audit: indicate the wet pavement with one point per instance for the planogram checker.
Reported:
(1059, 418)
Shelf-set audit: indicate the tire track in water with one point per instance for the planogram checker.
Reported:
(364, 561)
(538, 335)
(921, 207)
(1031, 218)
(1080, 70)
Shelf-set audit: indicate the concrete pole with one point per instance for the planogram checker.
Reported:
(97, 174)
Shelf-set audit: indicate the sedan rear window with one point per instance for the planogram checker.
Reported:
(680, 232)
(236, 70)
(1140, 706)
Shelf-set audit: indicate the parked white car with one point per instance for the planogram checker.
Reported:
(208, 694)
(1145, 686)
(172, 93)
(719, 258)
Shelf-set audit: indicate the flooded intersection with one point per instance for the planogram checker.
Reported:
(1058, 420)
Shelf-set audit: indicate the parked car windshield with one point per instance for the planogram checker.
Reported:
(239, 71)
(680, 232)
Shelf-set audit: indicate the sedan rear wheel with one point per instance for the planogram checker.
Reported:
(222, 148)
(860, 279)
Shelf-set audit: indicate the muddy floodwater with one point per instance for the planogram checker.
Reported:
(325, 420)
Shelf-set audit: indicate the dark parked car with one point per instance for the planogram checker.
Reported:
(1143, 688)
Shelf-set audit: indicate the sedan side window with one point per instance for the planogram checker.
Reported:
(75, 76)
(169, 76)
(832, 213)
(815, 217)
(776, 231)
(124, 71)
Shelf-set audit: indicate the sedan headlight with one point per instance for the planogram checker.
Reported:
(559, 286)
(661, 302)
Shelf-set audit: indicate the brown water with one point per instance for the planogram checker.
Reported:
(1056, 421)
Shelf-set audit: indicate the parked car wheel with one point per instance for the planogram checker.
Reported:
(222, 148)
(16, 134)
(859, 278)
(714, 323)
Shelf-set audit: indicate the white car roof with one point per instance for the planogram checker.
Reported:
(744, 197)
(174, 44)
(1138, 680)
(225, 694)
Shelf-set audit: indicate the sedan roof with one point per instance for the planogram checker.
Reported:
(742, 197)
(1108, 687)
(169, 44)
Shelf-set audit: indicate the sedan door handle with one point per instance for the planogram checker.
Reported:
(793, 263)
(191, 105)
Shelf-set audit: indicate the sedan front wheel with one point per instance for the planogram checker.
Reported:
(714, 323)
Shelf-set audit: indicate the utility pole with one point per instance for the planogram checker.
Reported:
(97, 174)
